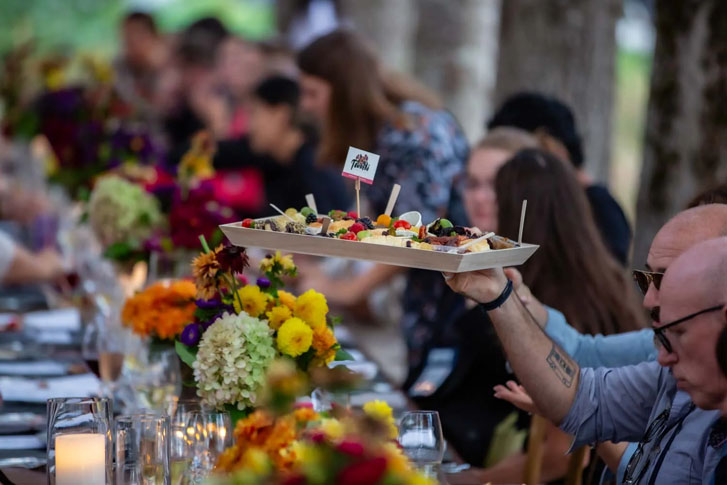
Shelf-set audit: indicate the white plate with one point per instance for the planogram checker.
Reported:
(398, 256)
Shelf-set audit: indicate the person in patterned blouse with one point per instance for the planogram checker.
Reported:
(421, 147)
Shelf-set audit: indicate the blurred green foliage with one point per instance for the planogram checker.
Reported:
(92, 25)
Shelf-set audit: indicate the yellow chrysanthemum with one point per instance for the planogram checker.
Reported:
(257, 460)
(397, 461)
(253, 300)
(294, 337)
(278, 315)
(312, 307)
(323, 342)
(285, 262)
(287, 299)
(332, 428)
(381, 411)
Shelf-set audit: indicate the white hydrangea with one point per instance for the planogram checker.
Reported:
(234, 354)
(121, 211)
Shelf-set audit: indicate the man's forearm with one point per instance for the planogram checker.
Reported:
(548, 373)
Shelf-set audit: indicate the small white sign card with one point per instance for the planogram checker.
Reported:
(361, 166)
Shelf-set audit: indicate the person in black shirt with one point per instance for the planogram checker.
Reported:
(281, 147)
(553, 122)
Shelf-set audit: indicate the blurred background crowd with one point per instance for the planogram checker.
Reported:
(130, 127)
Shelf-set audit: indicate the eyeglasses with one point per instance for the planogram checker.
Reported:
(656, 428)
(645, 278)
(660, 337)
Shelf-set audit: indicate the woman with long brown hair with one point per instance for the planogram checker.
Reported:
(572, 270)
(421, 147)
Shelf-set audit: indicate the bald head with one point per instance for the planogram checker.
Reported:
(684, 230)
(698, 277)
(693, 296)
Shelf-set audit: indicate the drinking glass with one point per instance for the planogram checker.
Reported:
(79, 441)
(420, 436)
(182, 438)
(209, 433)
(142, 449)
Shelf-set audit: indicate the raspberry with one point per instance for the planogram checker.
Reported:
(352, 215)
(356, 227)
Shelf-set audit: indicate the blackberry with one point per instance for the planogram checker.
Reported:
(368, 224)
(311, 218)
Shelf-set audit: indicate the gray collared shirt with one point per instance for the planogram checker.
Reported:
(619, 405)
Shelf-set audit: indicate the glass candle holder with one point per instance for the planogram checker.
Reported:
(79, 441)
(142, 449)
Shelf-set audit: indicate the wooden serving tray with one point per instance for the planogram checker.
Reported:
(407, 257)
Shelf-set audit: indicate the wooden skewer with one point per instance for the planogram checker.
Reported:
(326, 221)
(392, 199)
(358, 198)
(311, 201)
(475, 241)
(522, 223)
(282, 213)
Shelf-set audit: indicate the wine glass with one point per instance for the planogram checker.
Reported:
(420, 436)
(183, 440)
(210, 434)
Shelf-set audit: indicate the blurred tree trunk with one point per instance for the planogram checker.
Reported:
(390, 25)
(456, 55)
(566, 49)
(686, 129)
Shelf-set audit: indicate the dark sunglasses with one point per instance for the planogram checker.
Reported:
(660, 337)
(645, 278)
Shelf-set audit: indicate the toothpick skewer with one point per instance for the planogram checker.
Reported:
(282, 213)
(475, 241)
(358, 198)
(522, 223)
(392, 199)
(311, 201)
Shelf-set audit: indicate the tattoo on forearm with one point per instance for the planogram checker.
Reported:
(562, 366)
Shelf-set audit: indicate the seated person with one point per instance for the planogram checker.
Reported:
(600, 300)
(18, 266)
(281, 147)
(553, 123)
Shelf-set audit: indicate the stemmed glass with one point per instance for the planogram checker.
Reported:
(420, 436)
(142, 451)
(209, 433)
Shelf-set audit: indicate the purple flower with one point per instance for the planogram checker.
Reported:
(263, 282)
(208, 323)
(191, 334)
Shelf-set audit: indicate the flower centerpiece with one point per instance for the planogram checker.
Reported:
(161, 311)
(239, 328)
(123, 217)
(301, 446)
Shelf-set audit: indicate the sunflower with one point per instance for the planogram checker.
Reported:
(254, 302)
(294, 337)
(312, 307)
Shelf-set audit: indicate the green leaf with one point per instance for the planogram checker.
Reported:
(235, 414)
(343, 355)
(119, 251)
(187, 354)
(304, 359)
(337, 320)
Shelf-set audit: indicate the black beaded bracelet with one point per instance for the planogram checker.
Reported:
(497, 302)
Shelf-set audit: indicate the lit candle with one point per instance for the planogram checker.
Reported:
(81, 459)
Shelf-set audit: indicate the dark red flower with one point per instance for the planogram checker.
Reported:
(233, 258)
(367, 472)
(351, 448)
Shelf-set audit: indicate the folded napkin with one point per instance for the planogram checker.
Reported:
(21, 442)
(68, 319)
(40, 390)
(33, 368)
